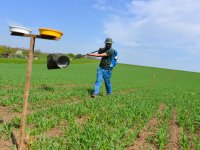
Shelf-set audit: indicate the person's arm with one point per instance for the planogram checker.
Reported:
(98, 55)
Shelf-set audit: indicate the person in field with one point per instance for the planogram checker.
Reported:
(104, 70)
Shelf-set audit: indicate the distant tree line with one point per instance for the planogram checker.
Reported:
(12, 52)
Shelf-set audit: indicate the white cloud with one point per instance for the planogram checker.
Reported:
(156, 21)
(102, 5)
(158, 26)
(122, 32)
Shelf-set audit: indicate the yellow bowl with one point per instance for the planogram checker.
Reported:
(50, 32)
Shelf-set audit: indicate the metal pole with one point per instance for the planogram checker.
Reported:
(21, 145)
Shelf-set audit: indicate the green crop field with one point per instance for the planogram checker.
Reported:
(150, 108)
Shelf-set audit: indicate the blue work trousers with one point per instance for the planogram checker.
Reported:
(106, 75)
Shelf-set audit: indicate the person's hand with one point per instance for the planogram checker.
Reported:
(100, 50)
(89, 55)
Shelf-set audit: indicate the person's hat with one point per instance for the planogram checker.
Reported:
(108, 40)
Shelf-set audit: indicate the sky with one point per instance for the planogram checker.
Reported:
(156, 33)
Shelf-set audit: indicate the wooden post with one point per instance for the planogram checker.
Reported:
(21, 145)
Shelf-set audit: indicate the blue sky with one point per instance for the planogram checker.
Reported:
(157, 33)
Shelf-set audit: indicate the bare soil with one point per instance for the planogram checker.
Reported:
(141, 142)
(16, 139)
(81, 120)
(5, 144)
(43, 104)
(7, 114)
(174, 133)
(54, 132)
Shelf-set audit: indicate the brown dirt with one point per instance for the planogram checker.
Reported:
(75, 100)
(6, 114)
(63, 124)
(5, 144)
(54, 132)
(130, 131)
(191, 137)
(174, 133)
(16, 139)
(9, 87)
(30, 126)
(141, 142)
(5, 97)
(162, 107)
(45, 106)
(44, 85)
(81, 120)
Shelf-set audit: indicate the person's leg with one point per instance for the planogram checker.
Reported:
(107, 77)
(98, 81)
